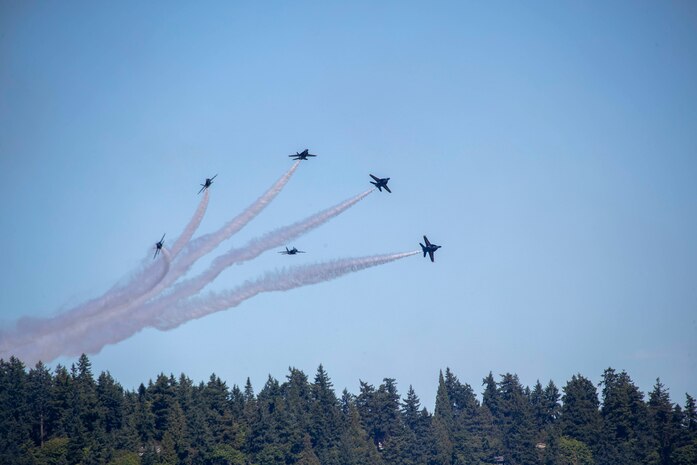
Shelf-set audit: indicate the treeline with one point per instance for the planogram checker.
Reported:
(68, 417)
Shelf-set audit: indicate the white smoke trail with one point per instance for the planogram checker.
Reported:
(193, 225)
(51, 342)
(93, 332)
(69, 332)
(192, 252)
(251, 250)
(138, 288)
(204, 244)
(198, 307)
(196, 249)
(69, 329)
(280, 280)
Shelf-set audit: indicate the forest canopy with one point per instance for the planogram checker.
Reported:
(67, 416)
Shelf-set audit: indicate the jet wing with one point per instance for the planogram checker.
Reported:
(428, 244)
(387, 189)
(430, 253)
(375, 178)
(201, 190)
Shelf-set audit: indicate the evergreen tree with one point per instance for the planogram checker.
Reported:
(325, 419)
(580, 414)
(661, 414)
(538, 406)
(40, 397)
(110, 398)
(626, 432)
(161, 396)
(296, 421)
(490, 397)
(365, 404)
(307, 455)
(356, 447)
(143, 416)
(200, 438)
(551, 399)
(15, 422)
(516, 421)
(443, 424)
(690, 415)
(66, 418)
(268, 440)
(415, 438)
(219, 414)
(62, 387)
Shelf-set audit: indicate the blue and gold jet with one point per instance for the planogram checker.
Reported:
(380, 183)
(158, 246)
(208, 183)
(429, 248)
(292, 251)
(302, 155)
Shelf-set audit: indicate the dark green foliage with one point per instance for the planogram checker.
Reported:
(516, 420)
(626, 436)
(573, 452)
(15, 419)
(662, 425)
(580, 415)
(64, 417)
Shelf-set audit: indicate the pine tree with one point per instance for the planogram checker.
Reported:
(580, 411)
(161, 396)
(143, 416)
(551, 398)
(661, 414)
(365, 404)
(490, 397)
(325, 419)
(416, 439)
(219, 414)
(110, 398)
(15, 430)
(690, 416)
(40, 397)
(295, 421)
(516, 421)
(356, 447)
(626, 432)
(538, 406)
(443, 424)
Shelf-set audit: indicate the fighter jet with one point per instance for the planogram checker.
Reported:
(158, 246)
(302, 155)
(429, 248)
(380, 183)
(208, 183)
(292, 251)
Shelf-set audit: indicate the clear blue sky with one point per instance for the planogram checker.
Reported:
(550, 147)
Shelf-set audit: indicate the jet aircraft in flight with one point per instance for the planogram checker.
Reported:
(208, 183)
(292, 251)
(302, 155)
(429, 248)
(158, 246)
(380, 183)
